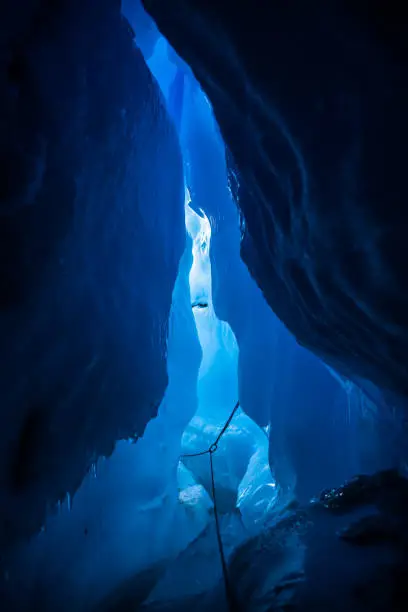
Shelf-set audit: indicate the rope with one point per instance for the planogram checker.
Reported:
(227, 424)
(232, 602)
(196, 454)
(214, 446)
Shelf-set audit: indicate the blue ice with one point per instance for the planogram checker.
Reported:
(143, 507)
(243, 452)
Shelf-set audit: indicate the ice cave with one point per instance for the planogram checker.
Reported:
(203, 306)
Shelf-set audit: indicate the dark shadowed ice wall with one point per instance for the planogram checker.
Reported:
(91, 233)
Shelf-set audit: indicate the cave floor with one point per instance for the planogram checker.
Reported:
(302, 561)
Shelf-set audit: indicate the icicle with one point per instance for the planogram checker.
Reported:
(93, 470)
(69, 502)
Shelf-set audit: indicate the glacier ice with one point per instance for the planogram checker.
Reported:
(281, 385)
(88, 154)
(130, 516)
(149, 507)
(244, 441)
(124, 352)
(143, 507)
(243, 502)
(126, 518)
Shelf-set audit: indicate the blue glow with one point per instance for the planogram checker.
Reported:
(218, 343)
(242, 460)
(148, 508)
(142, 506)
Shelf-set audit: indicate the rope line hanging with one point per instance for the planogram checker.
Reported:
(214, 445)
(232, 603)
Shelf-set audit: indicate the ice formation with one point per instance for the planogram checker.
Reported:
(142, 506)
(131, 325)
(243, 450)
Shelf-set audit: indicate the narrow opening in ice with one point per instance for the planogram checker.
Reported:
(244, 483)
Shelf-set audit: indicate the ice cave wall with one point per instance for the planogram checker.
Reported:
(146, 31)
(313, 443)
(322, 217)
(310, 99)
(91, 233)
(126, 517)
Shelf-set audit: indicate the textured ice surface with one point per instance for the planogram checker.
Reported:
(146, 32)
(281, 386)
(127, 515)
(91, 233)
(311, 100)
(244, 445)
(138, 509)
